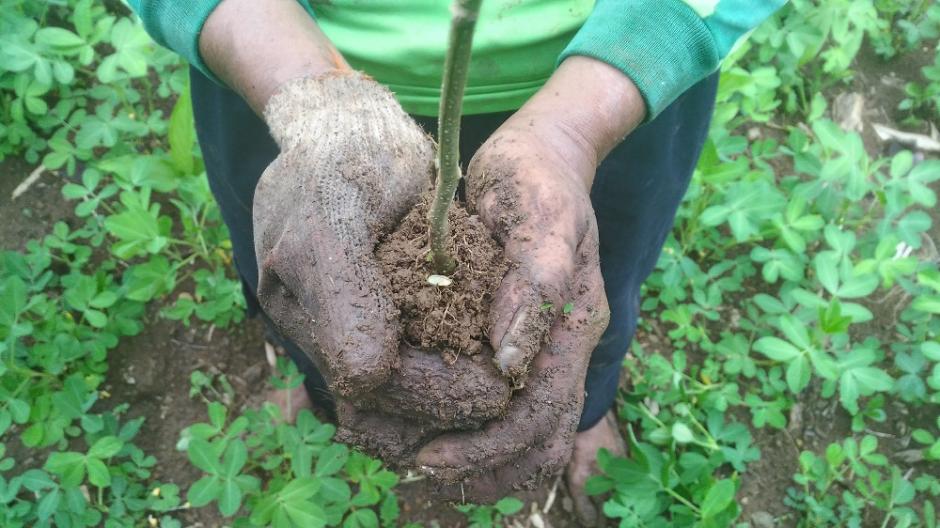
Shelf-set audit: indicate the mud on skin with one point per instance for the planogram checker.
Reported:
(443, 396)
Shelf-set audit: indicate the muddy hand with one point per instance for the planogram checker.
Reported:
(535, 437)
(352, 163)
(530, 184)
(528, 192)
(427, 389)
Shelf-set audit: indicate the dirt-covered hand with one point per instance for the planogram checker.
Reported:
(535, 438)
(352, 163)
(530, 185)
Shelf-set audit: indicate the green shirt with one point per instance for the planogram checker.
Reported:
(664, 46)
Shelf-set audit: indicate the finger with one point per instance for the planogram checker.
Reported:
(426, 388)
(555, 390)
(528, 472)
(521, 315)
(330, 299)
(540, 223)
(392, 439)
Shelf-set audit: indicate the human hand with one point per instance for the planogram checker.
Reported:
(530, 184)
(352, 163)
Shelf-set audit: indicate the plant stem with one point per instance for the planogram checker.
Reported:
(456, 66)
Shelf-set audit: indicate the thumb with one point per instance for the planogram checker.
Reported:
(324, 291)
(523, 309)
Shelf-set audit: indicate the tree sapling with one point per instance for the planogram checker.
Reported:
(456, 67)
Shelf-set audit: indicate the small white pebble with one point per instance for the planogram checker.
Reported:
(439, 280)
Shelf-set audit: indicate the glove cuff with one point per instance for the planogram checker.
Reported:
(304, 108)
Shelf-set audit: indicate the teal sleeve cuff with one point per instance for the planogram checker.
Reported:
(663, 46)
(177, 24)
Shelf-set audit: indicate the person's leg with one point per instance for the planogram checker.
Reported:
(635, 195)
(236, 148)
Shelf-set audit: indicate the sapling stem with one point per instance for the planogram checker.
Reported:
(456, 65)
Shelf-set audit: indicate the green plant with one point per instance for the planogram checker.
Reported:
(923, 100)
(670, 478)
(282, 474)
(851, 480)
(484, 516)
(456, 69)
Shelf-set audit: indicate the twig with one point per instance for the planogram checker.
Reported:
(456, 66)
(28, 182)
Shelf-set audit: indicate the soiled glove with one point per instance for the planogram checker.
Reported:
(352, 163)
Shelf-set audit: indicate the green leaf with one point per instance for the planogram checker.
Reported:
(12, 300)
(98, 472)
(36, 480)
(59, 38)
(931, 350)
(230, 498)
(19, 410)
(204, 491)
(719, 496)
(795, 331)
(858, 286)
(106, 447)
(361, 519)
(203, 456)
(331, 460)
(827, 270)
(902, 491)
(74, 398)
(389, 511)
(235, 457)
(927, 304)
(776, 349)
(509, 505)
(334, 490)
(798, 374)
(911, 225)
(299, 489)
(860, 381)
(306, 514)
(148, 280)
(681, 433)
(598, 485)
(49, 504)
(69, 466)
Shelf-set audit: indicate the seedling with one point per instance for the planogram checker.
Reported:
(456, 67)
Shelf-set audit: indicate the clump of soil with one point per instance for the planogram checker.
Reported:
(452, 319)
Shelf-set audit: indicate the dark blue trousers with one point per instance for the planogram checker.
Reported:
(636, 192)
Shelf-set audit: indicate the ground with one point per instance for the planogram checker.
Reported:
(151, 371)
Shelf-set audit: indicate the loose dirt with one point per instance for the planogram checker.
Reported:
(452, 319)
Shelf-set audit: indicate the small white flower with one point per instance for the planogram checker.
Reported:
(902, 250)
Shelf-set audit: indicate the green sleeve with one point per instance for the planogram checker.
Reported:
(176, 24)
(666, 46)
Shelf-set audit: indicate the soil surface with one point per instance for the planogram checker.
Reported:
(33, 213)
(453, 318)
